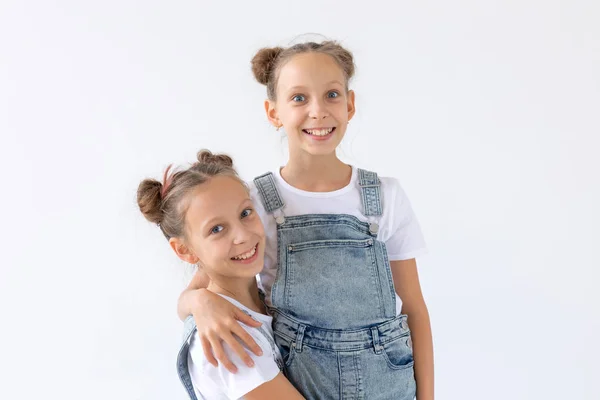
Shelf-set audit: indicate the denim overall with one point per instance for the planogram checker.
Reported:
(333, 302)
(189, 328)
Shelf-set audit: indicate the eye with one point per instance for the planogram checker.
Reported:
(298, 98)
(247, 212)
(333, 95)
(216, 229)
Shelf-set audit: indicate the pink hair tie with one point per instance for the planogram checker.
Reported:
(167, 179)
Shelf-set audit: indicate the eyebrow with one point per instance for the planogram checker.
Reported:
(304, 87)
(213, 220)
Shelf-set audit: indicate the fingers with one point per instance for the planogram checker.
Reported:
(221, 356)
(208, 353)
(246, 319)
(218, 330)
(247, 340)
(239, 350)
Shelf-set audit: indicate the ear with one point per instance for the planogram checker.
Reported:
(183, 251)
(351, 107)
(272, 114)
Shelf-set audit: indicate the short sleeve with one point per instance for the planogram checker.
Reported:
(245, 380)
(404, 236)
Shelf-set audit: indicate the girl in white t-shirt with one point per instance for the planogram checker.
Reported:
(206, 213)
(340, 274)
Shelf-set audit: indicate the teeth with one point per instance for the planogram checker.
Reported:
(246, 255)
(319, 132)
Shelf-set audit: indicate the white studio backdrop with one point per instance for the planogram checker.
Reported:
(487, 112)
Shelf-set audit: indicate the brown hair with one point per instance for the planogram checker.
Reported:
(267, 62)
(163, 203)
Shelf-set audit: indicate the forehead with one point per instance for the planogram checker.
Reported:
(309, 69)
(217, 196)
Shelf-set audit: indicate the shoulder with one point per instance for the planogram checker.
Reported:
(198, 356)
(390, 188)
(390, 184)
(246, 379)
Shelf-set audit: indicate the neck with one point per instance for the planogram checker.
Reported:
(244, 290)
(316, 173)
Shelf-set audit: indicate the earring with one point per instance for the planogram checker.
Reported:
(277, 129)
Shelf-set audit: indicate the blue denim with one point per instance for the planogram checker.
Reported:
(333, 303)
(189, 328)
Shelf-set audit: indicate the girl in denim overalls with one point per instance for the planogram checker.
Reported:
(340, 275)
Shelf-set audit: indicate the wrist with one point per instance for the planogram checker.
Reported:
(188, 300)
(198, 299)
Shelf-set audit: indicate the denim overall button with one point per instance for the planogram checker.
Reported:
(280, 219)
(370, 242)
(404, 324)
(290, 248)
(373, 228)
(409, 342)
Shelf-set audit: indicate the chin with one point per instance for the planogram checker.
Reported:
(257, 267)
(321, 152)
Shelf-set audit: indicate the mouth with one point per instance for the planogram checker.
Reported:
(247, 257)
(319, 133)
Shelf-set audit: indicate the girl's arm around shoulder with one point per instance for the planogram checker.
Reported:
(263, 381)
(217, 321)
(199, 281)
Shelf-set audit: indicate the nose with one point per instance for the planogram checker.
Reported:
(318, 110)
(241, 234)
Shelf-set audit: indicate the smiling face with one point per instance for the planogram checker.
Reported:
(312, 103)
(224, 234)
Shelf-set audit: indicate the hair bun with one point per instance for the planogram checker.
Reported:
(207, 157)
(264, 62)
(149, 200)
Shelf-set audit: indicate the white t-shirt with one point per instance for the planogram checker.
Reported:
(216, 383)
(398, 226)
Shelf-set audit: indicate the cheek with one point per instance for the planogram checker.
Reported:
(258, 228)
(204, 258)
(341, 109)
(294, 116)
(213, 253)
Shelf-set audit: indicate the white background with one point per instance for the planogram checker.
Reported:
(487, 111)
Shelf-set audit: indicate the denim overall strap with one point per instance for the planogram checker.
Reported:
(189, 328)
(370, 194)
(268, 192)
(270, 197)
